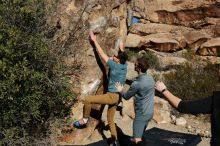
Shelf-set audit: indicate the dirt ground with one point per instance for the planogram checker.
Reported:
(125, 124)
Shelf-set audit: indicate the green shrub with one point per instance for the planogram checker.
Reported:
(151, 57)
(132, 54)
(192, 82)
(31, 88)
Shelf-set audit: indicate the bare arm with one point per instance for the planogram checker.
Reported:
(99, 49)
(121, 46)
(160, 86)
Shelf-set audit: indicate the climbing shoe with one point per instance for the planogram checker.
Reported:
(80, 124)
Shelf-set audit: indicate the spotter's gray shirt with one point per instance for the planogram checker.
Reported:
(142, 88)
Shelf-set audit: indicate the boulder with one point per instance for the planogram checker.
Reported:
(180, 121)
(213, 21)
(133, 40)
(128, 108)
(123, 19)
(71, 21)
(214, 42)
(97, 23)
(169, 26)
(107, 19)
(77, 111)
(210, 48)
(193, 36)
(187, 13)
(152, 28)
(167, 61)
(82, 134)
(165, 42)
(162, 110)
(85, 133)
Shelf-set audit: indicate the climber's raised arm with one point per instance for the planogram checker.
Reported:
(121, 46)
(98, 47)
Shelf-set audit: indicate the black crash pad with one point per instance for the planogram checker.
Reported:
(99, 143)
(161, 137)
(155, 137)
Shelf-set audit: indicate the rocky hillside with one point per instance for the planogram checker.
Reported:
(166, 28)
(162, 26)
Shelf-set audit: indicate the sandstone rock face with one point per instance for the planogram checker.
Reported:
(210, 47)
(176, 25)
(166, 26)
(75, 19)
(161, 110)
(133, 40)
(171, 61)
(70, 22)
(166, 38)
(128, 108)
(151, 28)
(77, 137)
(160, 41)
(180, 12)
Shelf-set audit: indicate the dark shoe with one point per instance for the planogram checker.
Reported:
(79, 124)
(142, 143)
(132, 143)
(115, 143)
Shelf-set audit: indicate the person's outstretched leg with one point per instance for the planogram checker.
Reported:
(89, 100)
(97, 99)
(111, 123)
(110, 118)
